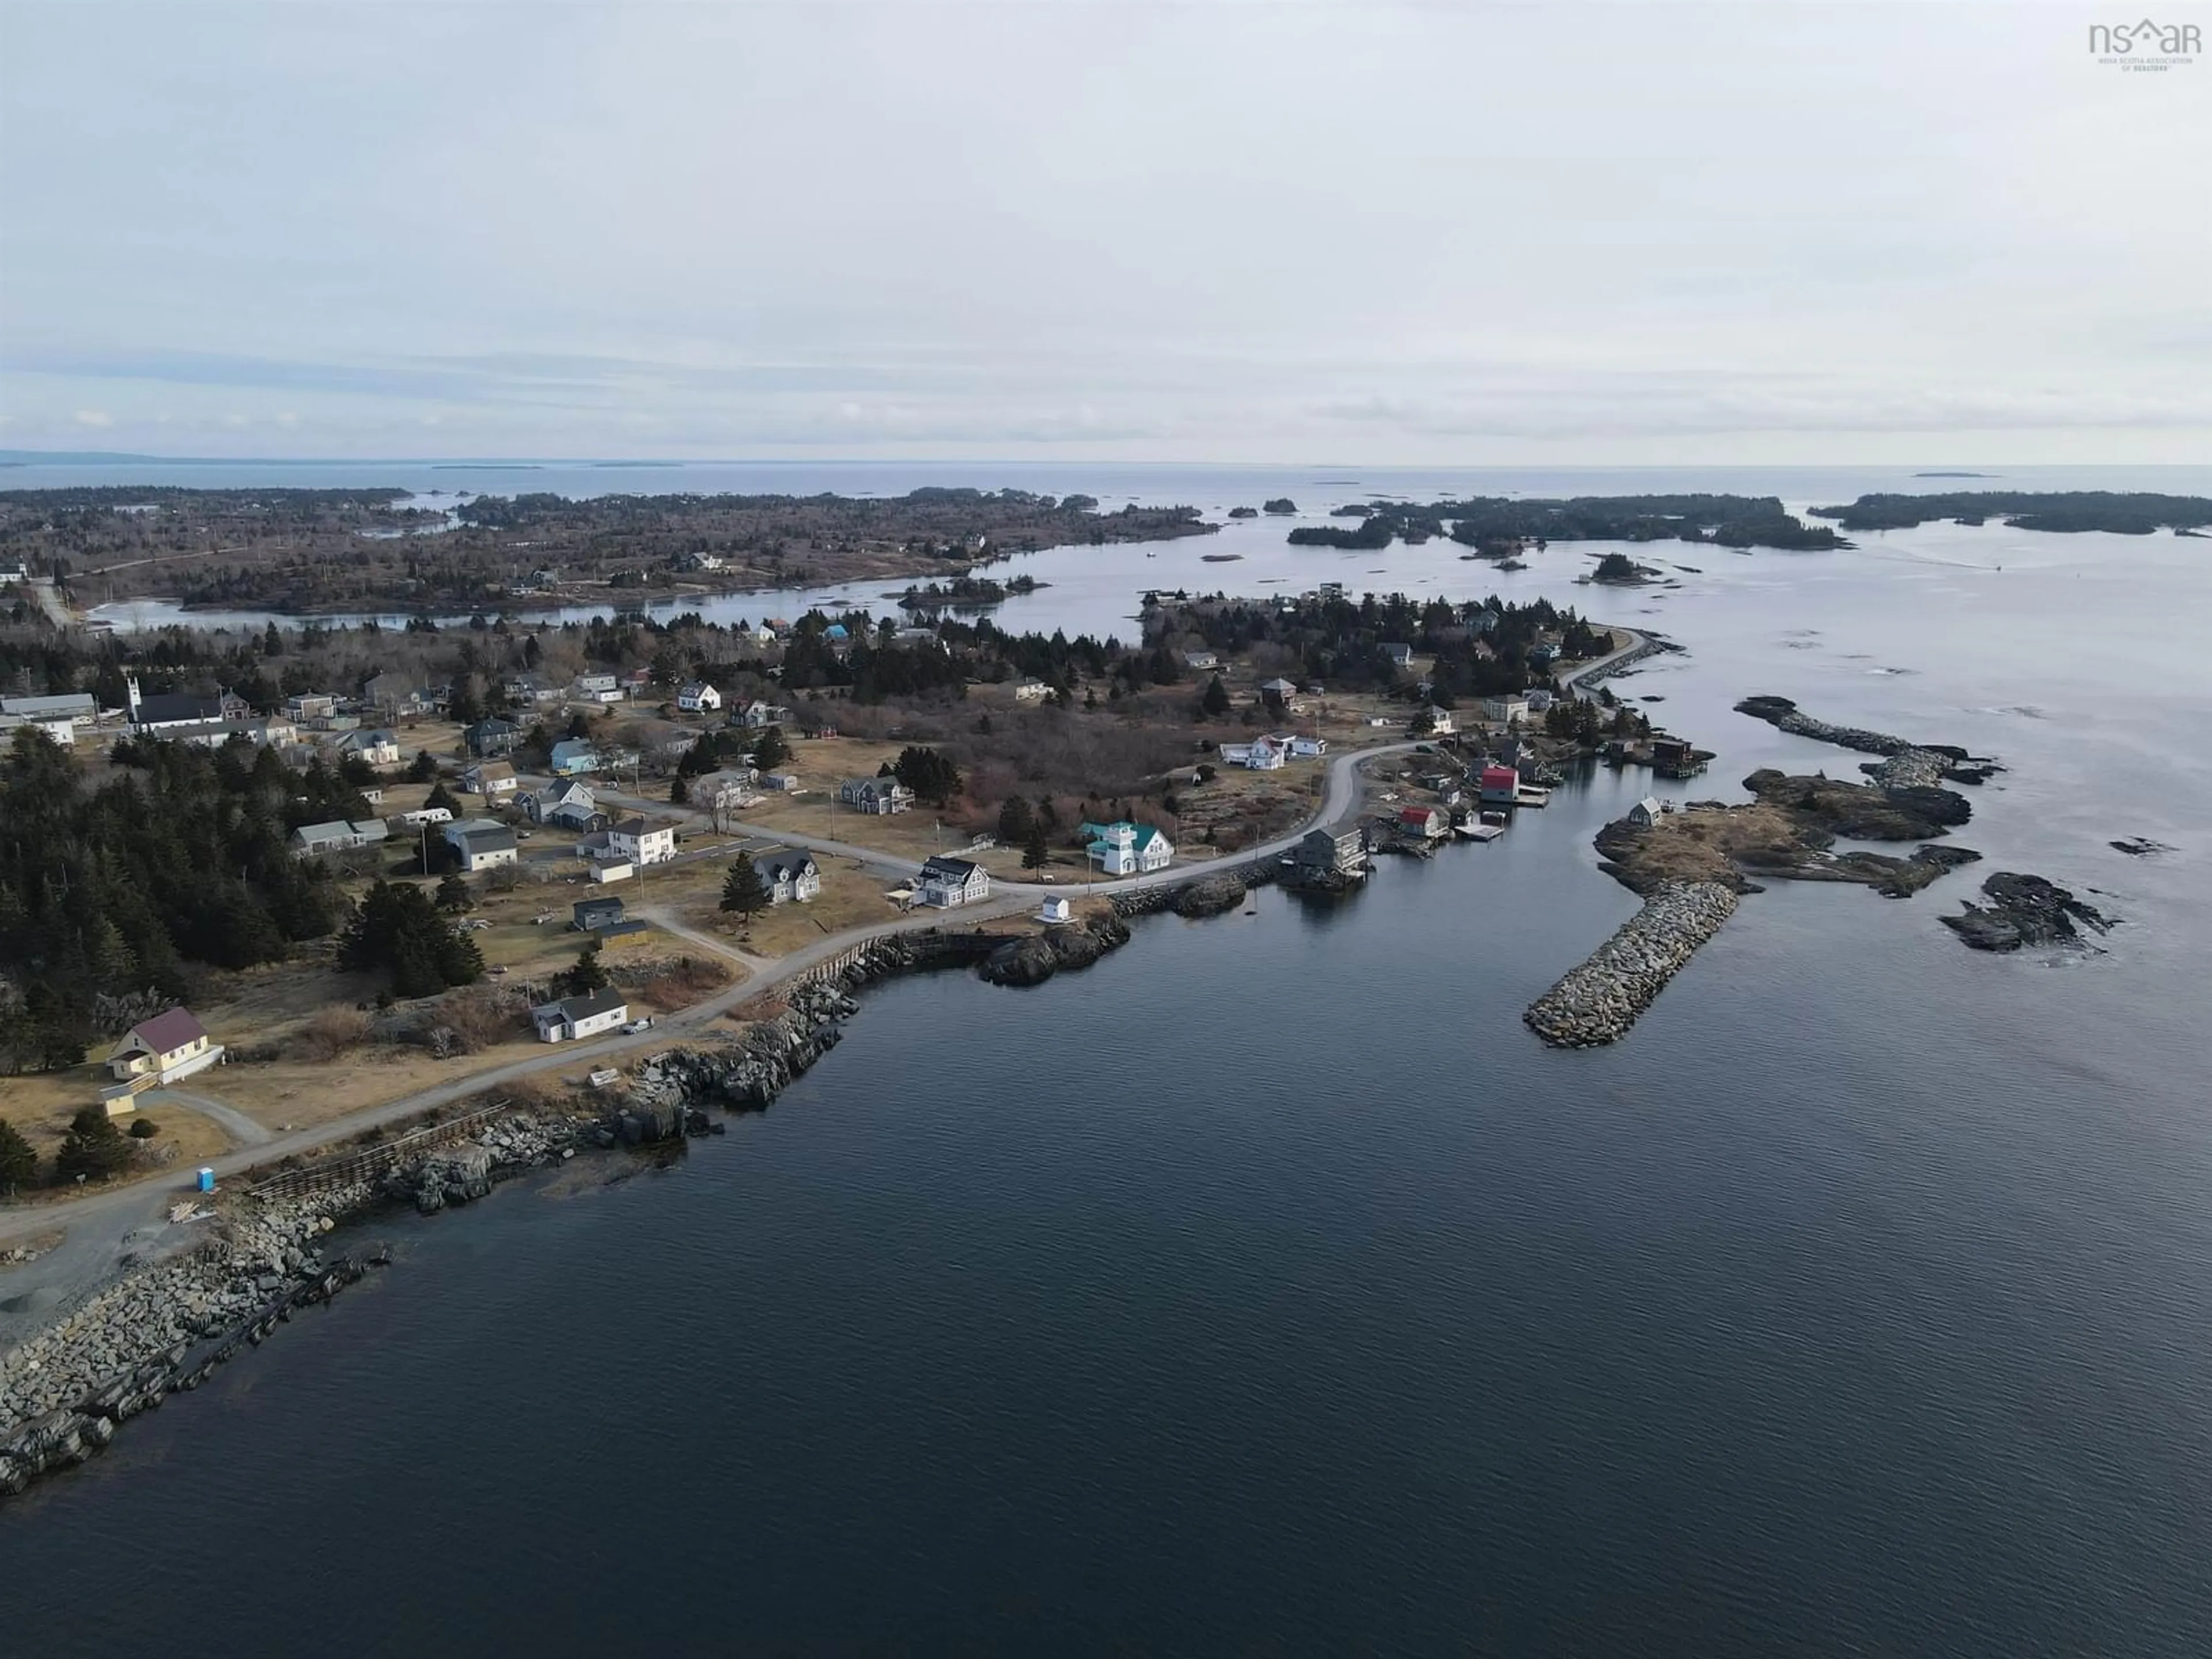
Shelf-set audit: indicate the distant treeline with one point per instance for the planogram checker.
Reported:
(2060, 511)
(1499, 526)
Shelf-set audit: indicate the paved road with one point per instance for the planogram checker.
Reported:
(103, 1225)
(241, 1128)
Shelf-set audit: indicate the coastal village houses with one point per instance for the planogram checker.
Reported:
(947, 883)
(698, 697)
(572, 756)
(165, 712)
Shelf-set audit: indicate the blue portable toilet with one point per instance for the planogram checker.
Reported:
(207, 1180)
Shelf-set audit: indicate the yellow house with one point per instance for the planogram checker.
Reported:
(154, 1052)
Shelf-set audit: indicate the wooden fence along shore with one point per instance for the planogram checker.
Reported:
(371, 1161)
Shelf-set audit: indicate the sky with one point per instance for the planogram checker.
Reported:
(1225, 230)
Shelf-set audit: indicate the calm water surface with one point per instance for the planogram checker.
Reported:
(1268, 1288)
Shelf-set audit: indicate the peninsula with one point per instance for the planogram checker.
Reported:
(307, 552)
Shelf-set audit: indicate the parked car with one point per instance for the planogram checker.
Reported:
(637, 1025)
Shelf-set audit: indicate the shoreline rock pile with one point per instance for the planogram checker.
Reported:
(1599, 1000)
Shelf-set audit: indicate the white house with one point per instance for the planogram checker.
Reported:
(1124, 848)
(339, 836)
(758, 714)
(566, 805)
(639, 842)
(880, 796)
(59, 728)
(77, 706)
(1031, 691)
(1506, 711)
(1309, 748)
(1201, 661)
(493, 780)
(156, 1052)
(1261, 755)
(948, 882)
(598, 688)
(1645, 813)
(1052, 912)
(698, 697)
(791, 876)
(165, 711)
(1441, 724)
(376, 749)
(1401, 656)
(481, 844)
(574, 1018)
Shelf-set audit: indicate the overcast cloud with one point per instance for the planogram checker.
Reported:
(1355, 232)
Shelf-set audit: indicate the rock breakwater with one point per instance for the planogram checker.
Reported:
(1904, 764)
(1598, 1001)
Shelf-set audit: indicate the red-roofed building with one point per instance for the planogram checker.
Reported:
(1423, 821)
(1501, 786)
(155, 1052)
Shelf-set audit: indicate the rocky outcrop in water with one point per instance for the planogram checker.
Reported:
(1905, 763)
(2023, 911)
(1209, 895)
(1036, 958)
(2140, 847)
(1600, 1000)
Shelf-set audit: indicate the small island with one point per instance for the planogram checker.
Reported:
(2060, 512)
(1280, 504)
(1243, 512)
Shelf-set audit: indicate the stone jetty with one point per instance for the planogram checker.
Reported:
(1904, 764)
(1598, 1001)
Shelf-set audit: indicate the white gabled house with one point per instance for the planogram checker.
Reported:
(1123, 848)
(481, 844)
(575, 1017)
(947, 883)
(698, 697)
(880, 796)
(1646, 812)
(493, 780)
(634, 840)
(1309, 748)
(339, 836)
(791, 876)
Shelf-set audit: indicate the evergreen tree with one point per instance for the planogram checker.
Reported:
(95, 1148)
(441, 796)
(931, 776)
(679, 793)
(1015, 819)
(1036, 851)
(423, 768)
(743, 891)
(585, 977)
(770, 750)
(1215, 701)
(455, 895)
(19, 1164)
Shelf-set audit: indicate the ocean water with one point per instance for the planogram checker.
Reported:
(1268, 1288)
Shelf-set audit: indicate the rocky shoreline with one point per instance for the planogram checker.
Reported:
(163, 1329)
(1598, 1001)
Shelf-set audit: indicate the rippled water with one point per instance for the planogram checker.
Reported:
(1268, 1288)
